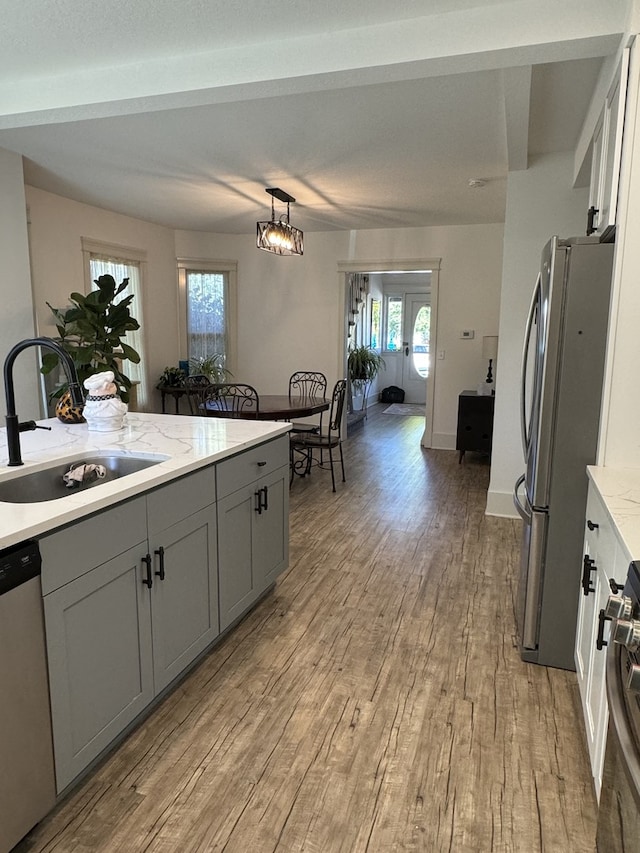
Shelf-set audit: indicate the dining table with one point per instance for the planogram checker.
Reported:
(279, 407)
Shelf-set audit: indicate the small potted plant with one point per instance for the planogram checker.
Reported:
(172, 377)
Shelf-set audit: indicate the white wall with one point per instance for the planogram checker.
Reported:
(540, 203)
(16, 317)
(57, 224)
(291, 309)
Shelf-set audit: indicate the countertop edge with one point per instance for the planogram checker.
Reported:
(188, 443)
(619, 489)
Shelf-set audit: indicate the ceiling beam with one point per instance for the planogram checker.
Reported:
(516, 83)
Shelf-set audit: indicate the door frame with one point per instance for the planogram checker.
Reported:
(431, 265)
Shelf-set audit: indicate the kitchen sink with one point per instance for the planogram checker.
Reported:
(47, 484)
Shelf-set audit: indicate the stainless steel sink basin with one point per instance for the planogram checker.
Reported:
(47, 484)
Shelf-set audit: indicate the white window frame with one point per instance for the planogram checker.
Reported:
(230, 268)
(130, 256)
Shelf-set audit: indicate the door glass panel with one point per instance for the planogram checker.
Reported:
(393, 326)
(420, 339)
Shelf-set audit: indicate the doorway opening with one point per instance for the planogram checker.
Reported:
(398, 318)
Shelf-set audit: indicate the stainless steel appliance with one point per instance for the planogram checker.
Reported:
(27, 783)
(562, 372)
(619, 810)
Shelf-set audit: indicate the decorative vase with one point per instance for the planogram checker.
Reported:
(67, 412)
(104, 411)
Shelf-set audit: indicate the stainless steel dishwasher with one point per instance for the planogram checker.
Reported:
(27, 782)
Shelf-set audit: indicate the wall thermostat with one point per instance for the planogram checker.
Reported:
(467, 334)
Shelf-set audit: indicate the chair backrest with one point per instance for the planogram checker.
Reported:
(307, 383)
(240, 401)
(337, 406)
(198, 388)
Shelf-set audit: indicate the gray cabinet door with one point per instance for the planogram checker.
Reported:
(271, 529)
(253, 542)
(237, 584)
(184, 597)
(100, 659)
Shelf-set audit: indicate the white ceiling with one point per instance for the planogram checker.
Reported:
(373, 115)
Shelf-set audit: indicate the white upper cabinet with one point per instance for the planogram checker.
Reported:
(606, 156)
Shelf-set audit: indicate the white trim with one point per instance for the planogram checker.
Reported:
(501, 504)
(432, 265)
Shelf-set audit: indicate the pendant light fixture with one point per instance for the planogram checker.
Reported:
(279, 236)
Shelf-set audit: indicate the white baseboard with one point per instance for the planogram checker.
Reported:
(443, 441)
(501, 504)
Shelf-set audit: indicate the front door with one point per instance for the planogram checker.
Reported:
(415, 347)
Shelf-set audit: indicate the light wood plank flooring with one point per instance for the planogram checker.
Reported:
(374, 702)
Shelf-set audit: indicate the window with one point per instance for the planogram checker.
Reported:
(123, 262)
(375, 324)
(393, 323)
(207, 299)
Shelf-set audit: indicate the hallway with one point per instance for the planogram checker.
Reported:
(374, 702)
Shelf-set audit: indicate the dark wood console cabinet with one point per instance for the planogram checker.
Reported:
(475, 423)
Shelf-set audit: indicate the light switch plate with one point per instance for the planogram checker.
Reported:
(467, 334)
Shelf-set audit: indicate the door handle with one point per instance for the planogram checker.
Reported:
(148, 581)
(588, 566)
(160, 554)
(406, 350)
(600, 641)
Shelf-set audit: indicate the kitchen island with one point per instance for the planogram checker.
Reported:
(141, 575)
(186, 443)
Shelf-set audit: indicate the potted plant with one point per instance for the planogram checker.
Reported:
(363, 365)
(92, 332)
(211, 366)
(172, 377)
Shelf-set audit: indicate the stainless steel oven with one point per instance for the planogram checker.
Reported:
(619, 811)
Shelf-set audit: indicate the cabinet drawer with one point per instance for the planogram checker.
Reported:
(80, 547)
(181, 498)
(247, 467)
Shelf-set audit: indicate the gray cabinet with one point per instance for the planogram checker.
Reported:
(100, 659)
(121, 626)
(131, 593)
(253, 525)
(184, 596)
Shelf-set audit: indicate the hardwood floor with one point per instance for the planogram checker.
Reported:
(374, 702)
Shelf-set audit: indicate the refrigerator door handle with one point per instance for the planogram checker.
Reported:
(524, 514)
(525, 361)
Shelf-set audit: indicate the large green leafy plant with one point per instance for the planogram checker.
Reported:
(364, 364)
(92, 331)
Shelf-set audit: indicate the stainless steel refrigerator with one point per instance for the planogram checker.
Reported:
(562, 374)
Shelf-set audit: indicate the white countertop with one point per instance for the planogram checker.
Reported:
(188, 443)
(619, 489)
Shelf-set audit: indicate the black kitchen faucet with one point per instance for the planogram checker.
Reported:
(14, 427)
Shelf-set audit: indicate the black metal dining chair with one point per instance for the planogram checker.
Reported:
(235, 399)
(198, 388)
(306, 443)
(307, 383)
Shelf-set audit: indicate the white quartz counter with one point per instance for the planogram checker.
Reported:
(619, 489)
(188, 443)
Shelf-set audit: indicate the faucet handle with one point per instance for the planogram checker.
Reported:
(27, 426)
